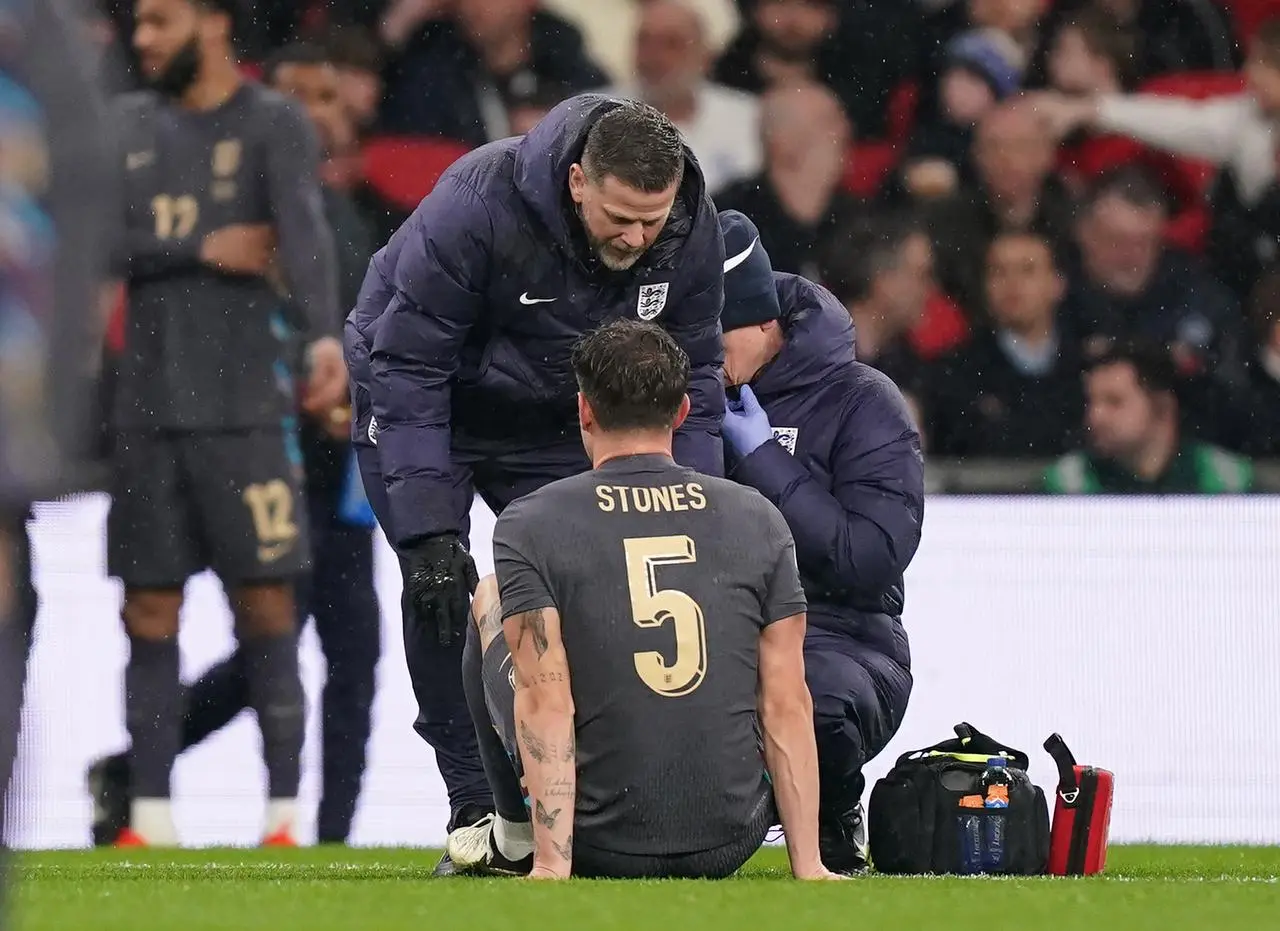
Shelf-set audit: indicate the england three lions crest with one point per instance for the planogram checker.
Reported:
(786, 437)
(653, 297)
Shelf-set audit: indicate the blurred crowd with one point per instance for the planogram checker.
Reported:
(1002, 192)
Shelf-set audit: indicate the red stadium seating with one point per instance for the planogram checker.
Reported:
(404, 169)
(114, 337)
(1250, 14)
(866, 167)
(901, 118)
(867, 164)
(1189, 177)
(942, 328)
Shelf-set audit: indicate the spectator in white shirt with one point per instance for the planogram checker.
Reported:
(1237, 133)
(673, 59)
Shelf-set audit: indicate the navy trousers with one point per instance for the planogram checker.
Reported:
(339, 593)
(499, 475)
(860, 693)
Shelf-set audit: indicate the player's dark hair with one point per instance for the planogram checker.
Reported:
(1132, 184)
(232, 9)
(354, 47)
(633, 375)
(295, 53)
(862, 250)
(1152, 363)
(637, 145)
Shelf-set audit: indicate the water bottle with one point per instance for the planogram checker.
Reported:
(970, 825)
(995, 783)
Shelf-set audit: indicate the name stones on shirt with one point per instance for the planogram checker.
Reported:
(642, 499)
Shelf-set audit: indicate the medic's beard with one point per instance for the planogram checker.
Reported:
(613, 258)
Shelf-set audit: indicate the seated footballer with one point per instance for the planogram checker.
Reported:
(643, 619)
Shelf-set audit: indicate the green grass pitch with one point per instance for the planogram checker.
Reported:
(318, 889)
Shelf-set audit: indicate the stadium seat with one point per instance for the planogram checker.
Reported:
(1248, 15)
(404, 169)
(901, 119)
(942, 328)
(869, 163)
(866, 167)
(114, 336)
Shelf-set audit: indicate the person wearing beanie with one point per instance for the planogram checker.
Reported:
(983, 68)
(830, 442)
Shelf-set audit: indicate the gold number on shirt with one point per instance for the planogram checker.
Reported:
(175, 217)
(653, 606)
(271, 505)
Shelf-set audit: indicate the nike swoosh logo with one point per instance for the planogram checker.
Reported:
(734, 261)
(526, 299)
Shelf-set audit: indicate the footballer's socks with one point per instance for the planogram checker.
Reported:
(151, 822)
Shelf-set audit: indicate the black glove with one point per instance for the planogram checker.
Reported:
(440, 578)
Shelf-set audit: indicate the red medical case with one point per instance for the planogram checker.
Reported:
(1081, 815)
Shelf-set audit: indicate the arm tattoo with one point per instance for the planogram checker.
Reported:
(533, 743)
(558, 788)
(534, 622)
(491, 624)
(570, 749)
(547, 818)
(566, 849)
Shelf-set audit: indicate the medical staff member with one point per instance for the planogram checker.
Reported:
(831, 443)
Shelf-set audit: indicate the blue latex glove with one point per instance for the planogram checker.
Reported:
(746, 425)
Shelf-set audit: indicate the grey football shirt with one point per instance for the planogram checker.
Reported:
(201, 351)
(664, 579)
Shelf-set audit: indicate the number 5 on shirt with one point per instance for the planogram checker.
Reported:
(653, 606)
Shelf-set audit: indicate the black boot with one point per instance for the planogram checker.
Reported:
(842, 842)
(465, 816)
(108, 782)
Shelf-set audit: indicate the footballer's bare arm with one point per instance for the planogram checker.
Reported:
(544, 726)
(790, 752)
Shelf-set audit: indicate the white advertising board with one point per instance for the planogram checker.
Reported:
(1145, 631)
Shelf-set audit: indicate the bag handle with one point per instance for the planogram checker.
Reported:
(1068, 786)
(969, 739)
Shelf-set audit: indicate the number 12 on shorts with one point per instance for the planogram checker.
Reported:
(653, 606)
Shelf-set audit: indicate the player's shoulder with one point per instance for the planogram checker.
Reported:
(136, 103)
(542, 506)
(740, 503)
(555, 497)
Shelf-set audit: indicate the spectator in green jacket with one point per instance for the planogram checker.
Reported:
(1135, 441)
